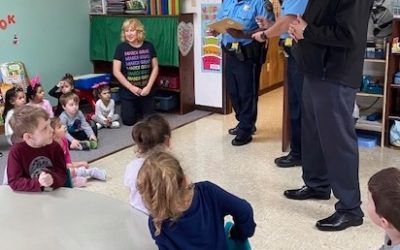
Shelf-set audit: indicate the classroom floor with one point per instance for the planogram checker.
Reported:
(205, 150)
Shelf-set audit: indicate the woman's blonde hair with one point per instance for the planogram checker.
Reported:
(164, 188)
(135, 24)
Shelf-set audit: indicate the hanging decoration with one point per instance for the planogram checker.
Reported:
(185, 37)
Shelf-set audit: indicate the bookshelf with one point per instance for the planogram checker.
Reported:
(370, 102)
(392, 89)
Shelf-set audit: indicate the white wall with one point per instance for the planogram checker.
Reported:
(208, 85)
(53, 38)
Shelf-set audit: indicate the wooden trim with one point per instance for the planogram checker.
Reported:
(226, 102)
(210, 109)
(186, 74)
(270, 88)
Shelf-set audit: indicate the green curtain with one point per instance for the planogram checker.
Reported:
(161, 31)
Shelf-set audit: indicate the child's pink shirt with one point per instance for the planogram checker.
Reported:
(45, 104)
(64, 146)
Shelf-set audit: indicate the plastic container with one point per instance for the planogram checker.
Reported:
(165, 101)
(397, 78)
(367, 140)
(168, 81)
(90, 81)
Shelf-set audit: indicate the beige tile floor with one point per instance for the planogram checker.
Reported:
(249, 172)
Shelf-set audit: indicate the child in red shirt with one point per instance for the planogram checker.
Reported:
(37, 163)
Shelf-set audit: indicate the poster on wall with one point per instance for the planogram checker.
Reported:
(211, 53)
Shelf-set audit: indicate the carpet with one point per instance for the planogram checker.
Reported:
(111, 140)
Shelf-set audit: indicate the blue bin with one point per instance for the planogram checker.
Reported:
(165, 101)
(367, 140)
(89, 81)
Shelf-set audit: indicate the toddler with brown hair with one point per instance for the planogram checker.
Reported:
(151, 134)
(37, 163)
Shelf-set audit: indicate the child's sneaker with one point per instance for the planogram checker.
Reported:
(84, 145)
(99, 174)
(98, 125)
(115, 124)
(92, 144)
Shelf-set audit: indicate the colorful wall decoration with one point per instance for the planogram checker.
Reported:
(211, 53)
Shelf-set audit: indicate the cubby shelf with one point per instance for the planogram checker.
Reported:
(393, 90)
(379, 106)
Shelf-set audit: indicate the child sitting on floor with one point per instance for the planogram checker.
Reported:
(35, 94)
(37, 163)
(15, 98)
(65, 85)
(384, 205)
(80, 134)
(189, 215)
(79, 170)
(151, 134)
(104, 115)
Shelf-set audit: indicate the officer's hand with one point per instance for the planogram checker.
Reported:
(263, 22)
(296, 28)
(236, 33)
(259, 36)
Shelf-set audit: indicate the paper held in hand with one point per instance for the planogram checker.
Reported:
(222, 25)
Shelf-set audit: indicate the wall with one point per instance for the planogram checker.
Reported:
(208, 86)
(53, 37)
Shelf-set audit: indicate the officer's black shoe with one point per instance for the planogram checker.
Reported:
(287, 161)
(234, 131)
(240, 140)
(339, 221)
(305, 193)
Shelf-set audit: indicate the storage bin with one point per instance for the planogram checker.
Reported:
(165, 101)
(90, 81)
(397, 78)
(168, 81)
(367, 140)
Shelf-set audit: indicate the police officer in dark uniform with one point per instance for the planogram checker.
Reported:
(289, 11)
(244, 58)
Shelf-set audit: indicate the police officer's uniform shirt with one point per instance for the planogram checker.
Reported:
(244, 12)
(292, 7)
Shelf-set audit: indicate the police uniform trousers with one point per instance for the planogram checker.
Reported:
(295, 86)
(242, 80)
(329, 143)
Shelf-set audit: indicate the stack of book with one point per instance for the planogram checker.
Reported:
(164, 7)
(115, 6)
(136, 7)
(98, 7)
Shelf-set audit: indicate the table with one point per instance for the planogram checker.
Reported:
(70, 219)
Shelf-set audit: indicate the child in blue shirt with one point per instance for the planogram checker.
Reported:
(184, 215)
